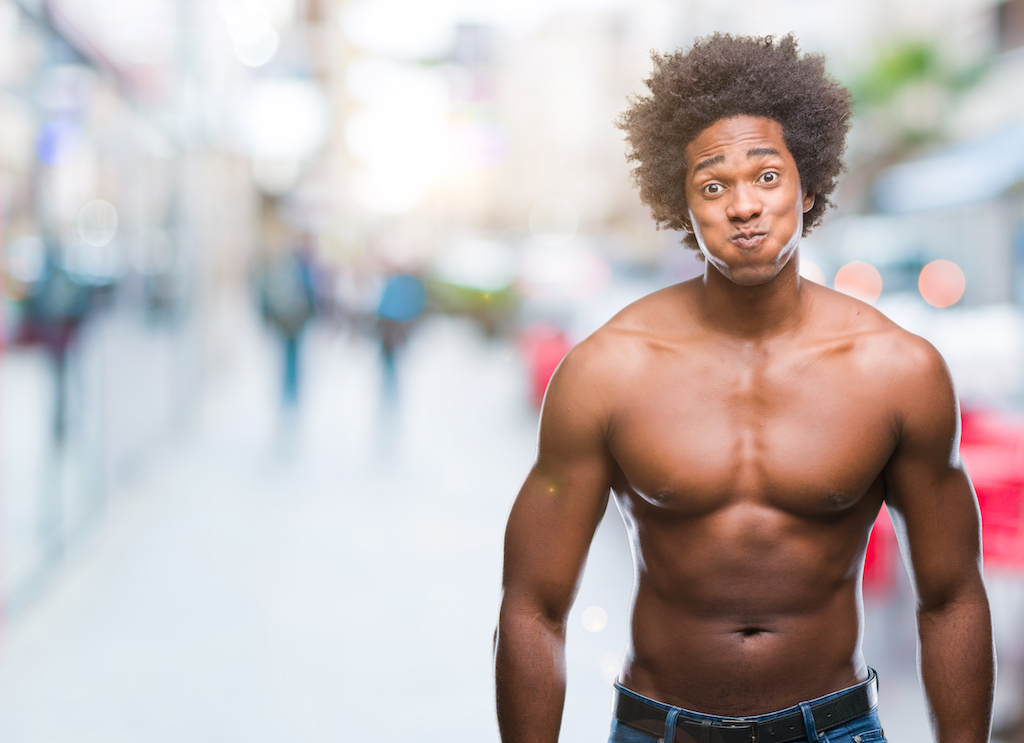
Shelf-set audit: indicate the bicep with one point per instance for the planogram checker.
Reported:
(559, 506)
(929, 492)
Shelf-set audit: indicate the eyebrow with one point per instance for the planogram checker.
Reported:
(709, 162)
(755, 152)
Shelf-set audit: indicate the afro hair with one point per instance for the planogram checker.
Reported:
(723, 76)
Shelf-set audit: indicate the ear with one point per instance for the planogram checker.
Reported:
(808, 202)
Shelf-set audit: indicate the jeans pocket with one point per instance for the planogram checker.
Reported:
(871, 736)
(844, 734)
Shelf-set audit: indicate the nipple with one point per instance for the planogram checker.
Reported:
(836, 500)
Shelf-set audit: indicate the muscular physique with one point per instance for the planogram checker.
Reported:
(750, 425)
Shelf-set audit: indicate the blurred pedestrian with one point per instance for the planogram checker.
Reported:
(55, 308)
(402, 301)
(288, 302)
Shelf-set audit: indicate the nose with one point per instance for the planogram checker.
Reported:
(745, 204)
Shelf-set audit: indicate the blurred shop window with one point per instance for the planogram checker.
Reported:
(1010, 24)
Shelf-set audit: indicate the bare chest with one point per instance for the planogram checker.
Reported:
(802, 434)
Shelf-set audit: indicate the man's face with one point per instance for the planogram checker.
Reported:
(746, 202)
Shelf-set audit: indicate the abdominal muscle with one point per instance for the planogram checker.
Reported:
(730, 628)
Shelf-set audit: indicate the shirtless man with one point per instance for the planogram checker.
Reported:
(750, 425)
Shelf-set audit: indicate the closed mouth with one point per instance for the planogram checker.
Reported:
(748, 239)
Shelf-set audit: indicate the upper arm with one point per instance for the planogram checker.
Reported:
(928, 491)
(560, 504)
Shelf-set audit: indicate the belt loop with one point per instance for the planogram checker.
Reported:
(812, 731)
(705, 731)
(670, 725)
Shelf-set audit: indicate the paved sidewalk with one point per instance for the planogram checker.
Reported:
(337, 581)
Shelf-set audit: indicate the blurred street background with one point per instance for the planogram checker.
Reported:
(283, 282)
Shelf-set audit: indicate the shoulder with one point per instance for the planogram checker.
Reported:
(602, 368)
(921, 395)
(911, 372)
(622, 345)
(884, 346)
(908, 361)
(895, 365)
(662, 319)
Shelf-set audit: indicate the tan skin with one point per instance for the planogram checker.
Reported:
(749, 425)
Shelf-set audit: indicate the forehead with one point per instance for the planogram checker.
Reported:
(734, 138)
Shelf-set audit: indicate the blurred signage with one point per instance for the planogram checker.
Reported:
(967, 173)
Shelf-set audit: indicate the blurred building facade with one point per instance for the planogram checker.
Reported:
(155, 153)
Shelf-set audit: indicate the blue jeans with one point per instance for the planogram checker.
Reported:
(866, 729)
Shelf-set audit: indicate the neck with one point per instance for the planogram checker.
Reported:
(754, 312)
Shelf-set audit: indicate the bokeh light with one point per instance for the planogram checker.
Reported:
(608, 665)
(399, 136)
(97, 223)
(284, 118)
(237, 13)
(260, 50)
(860, 280)
(941, 283)
(594, 619)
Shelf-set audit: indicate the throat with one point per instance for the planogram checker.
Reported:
(757, 310)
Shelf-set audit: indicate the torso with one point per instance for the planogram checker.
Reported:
(749, 475)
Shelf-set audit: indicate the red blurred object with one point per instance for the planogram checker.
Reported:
(544, 347)
(880, 560)
(992, 447)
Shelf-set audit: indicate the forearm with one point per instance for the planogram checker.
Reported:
(958, 668)
(529, 668)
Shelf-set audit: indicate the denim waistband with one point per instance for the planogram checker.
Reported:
(686, 714)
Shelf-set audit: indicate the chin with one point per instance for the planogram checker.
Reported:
(752, 275)
(747, 274)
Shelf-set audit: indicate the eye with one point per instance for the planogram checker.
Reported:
(713, 189)
(769, 177)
